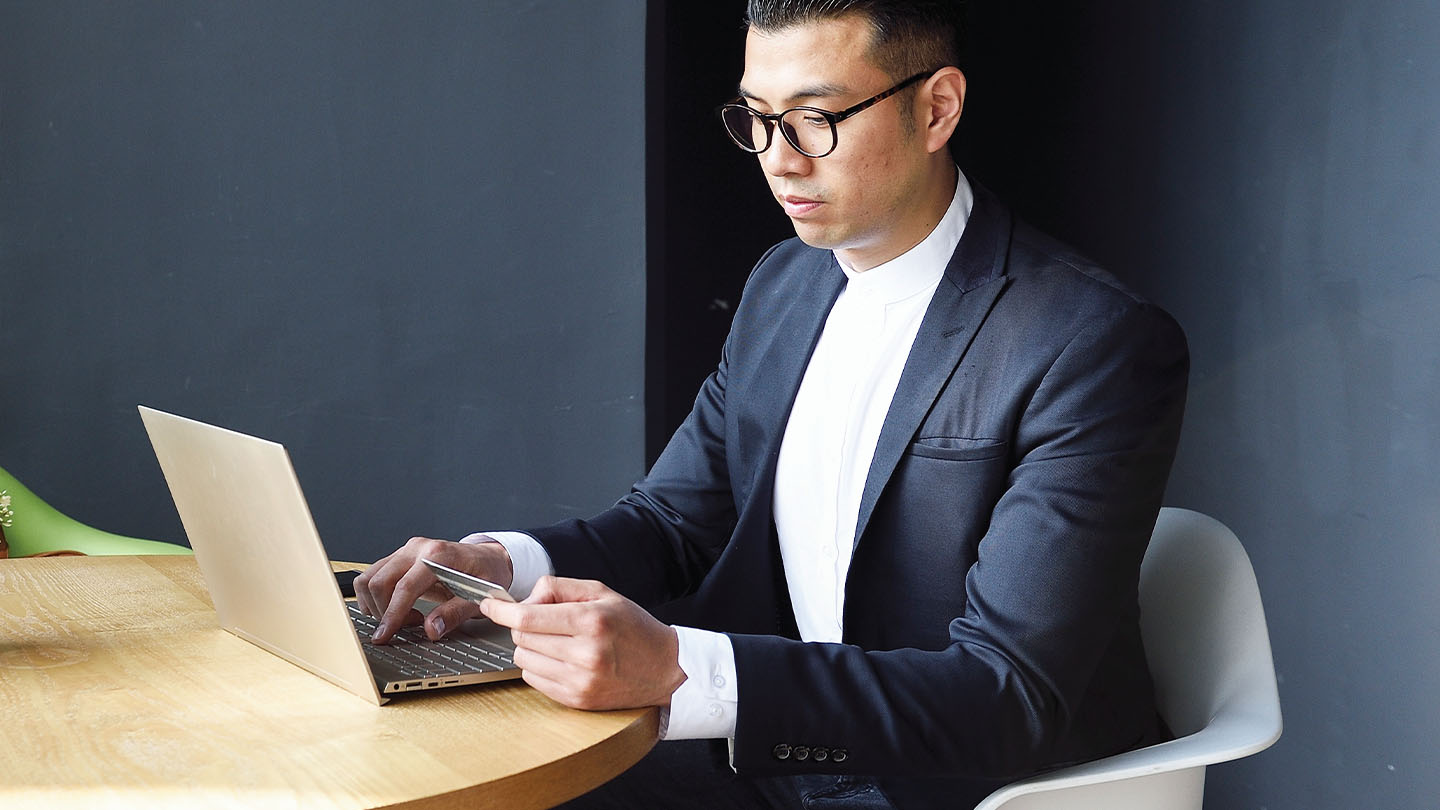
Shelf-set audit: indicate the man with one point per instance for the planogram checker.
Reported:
(908, 509)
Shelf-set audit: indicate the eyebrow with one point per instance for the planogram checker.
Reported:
(812, 91)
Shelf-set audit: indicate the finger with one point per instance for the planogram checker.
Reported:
(365, 587)
(411, 587)
(555, 679)
(411, 617)
(449, 615)
(555, 605)
(574, 651)
(567, 686)
(566, 618)
(550, 589)
(375, 586)
(553, 689)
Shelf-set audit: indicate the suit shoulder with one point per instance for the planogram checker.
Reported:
(1055, 293)
(1052, 271)
(1038, 258)
(788, 269)
(785, 258)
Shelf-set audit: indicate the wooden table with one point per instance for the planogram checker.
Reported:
(118, 689)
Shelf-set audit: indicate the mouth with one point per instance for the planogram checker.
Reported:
(797, 207)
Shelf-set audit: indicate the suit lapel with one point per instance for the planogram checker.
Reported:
(973, 280)
(771, 393)
(783, 363)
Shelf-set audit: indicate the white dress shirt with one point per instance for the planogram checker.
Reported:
(825, 456)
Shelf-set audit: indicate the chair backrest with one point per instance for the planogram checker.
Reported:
(1204, 626)
(37, 527)
(33, 520)
(1209, 651)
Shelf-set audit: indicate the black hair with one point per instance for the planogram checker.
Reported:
(909, 36)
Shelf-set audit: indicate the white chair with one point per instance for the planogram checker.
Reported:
(1209, 651)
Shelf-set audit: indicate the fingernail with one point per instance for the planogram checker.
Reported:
(380, 630)
(439, 626)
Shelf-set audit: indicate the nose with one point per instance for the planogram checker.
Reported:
(782, 159)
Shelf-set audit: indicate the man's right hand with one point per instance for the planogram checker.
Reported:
(389, 588)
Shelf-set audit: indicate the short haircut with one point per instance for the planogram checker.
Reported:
(910, 36)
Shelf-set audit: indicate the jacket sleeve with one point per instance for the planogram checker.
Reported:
(1056, 573)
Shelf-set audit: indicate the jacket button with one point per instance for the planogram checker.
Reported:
(839, 755)
(801, 753)
(781, 751)
(820, 754)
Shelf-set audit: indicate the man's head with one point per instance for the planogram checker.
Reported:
(889, 177)
(909, 36)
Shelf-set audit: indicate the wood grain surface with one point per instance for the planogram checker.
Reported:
(118, 689)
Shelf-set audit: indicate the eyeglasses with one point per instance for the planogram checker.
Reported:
(810, 130)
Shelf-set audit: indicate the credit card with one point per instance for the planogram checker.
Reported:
(468, 586)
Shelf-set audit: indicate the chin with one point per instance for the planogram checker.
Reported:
(816, 237)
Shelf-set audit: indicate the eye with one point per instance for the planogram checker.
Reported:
(816, 120)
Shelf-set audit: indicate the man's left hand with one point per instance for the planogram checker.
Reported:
(588, 647)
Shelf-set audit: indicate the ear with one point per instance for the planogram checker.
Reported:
(942, 99)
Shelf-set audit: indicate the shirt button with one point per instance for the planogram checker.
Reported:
(716, 710)
(718, 681)
(839, 755)
(820, 754)
(781, 751)
(829, 552)
(801, 753)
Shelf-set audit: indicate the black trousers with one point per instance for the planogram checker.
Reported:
(696, 773)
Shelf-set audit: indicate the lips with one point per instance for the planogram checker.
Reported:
(798, 206)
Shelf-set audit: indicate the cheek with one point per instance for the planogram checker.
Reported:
(870, 183)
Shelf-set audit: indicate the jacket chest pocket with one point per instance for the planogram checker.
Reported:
(950, 448)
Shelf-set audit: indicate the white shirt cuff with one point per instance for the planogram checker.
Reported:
(704, 705)
(528, 558)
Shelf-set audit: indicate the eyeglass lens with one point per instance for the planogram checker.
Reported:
(807, 131)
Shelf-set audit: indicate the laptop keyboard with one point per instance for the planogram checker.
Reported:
(418, 657)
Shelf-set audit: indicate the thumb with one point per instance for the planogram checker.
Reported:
(449, 615)
(562, 589)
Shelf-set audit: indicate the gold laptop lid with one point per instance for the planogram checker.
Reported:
(257, 547)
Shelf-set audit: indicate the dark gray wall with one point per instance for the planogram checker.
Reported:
(1270, 172)
(406, 240)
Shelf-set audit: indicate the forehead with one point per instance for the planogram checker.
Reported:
(811, 60)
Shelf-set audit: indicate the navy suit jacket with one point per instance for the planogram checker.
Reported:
(991, 618)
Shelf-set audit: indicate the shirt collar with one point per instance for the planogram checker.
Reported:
(922, 266)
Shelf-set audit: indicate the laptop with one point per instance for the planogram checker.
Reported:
(272, 583)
